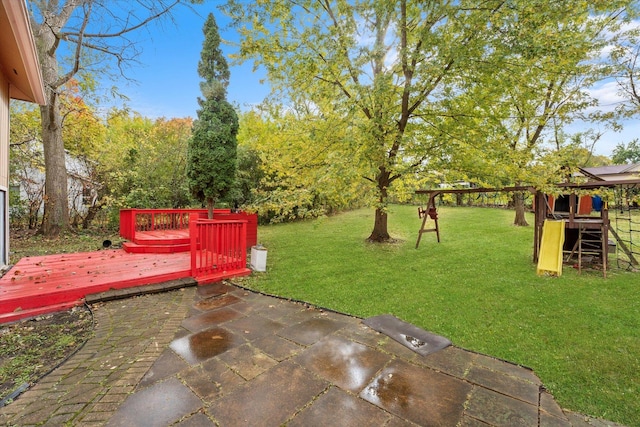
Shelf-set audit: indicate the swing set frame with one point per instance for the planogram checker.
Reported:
(542, 211)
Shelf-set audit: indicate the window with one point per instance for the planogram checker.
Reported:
(87, 195)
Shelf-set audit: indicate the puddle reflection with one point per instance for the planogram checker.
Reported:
(413, 341)
(389, 390)
(204, 345)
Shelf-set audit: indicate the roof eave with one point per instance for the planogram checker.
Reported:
(33, 89)
(589, 174)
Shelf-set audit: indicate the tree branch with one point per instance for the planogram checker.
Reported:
(123, 30)
(76, 57)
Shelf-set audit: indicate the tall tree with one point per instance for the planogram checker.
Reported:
(546, 78)
(398, 67)
(624, 55)
(213, 146)
(383, 64)
(84, 30)
(82, 131)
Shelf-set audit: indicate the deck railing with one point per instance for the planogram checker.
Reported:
(133, 220)
(138, 220)
(217, 245)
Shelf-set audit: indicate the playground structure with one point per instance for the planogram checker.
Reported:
(626, 217)
(584, 236)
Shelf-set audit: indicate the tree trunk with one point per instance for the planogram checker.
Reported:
(518, 203)
(56, 207)
(34, 209)
(380, 233)
(91, 215)
(210, 203)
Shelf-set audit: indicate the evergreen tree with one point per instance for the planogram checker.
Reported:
(212, 148)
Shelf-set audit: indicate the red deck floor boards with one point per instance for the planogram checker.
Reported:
(159, 241)
(36, 283)
(161, 236)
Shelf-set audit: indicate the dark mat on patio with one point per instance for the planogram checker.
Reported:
(412, 337)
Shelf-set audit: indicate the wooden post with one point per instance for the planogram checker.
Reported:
(540, 206)
(193, 239)
(243, 245)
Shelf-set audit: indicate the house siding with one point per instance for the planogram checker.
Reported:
(4, 131)
(20, 78)
(4, 170)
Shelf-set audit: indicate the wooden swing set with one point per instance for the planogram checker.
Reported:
(431, 211)
(584, 233)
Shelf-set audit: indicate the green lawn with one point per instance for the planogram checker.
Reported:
(479, 288)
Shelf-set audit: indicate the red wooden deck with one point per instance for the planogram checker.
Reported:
(209, 250)
(45, 284)
(167, 230)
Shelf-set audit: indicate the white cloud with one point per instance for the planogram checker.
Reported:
(608, 95)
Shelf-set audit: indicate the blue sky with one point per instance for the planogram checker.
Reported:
(167, 78)
(168, 82)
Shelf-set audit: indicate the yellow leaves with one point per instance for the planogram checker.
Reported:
(307, 168)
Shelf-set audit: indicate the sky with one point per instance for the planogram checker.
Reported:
(168, 82)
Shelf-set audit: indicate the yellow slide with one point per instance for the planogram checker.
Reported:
(550, 257)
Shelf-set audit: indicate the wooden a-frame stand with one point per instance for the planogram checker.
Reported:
(432, 213)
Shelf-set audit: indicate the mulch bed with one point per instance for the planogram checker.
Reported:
(34, 347)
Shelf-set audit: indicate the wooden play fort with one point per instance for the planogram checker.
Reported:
(586, 235)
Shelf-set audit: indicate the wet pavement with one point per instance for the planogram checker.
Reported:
(221, 355)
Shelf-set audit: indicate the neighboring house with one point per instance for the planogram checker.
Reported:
(82, 190)
(20, 78)
(28, 182)
(456, 184)
(613, 172)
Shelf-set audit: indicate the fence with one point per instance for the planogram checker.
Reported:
(218, 246)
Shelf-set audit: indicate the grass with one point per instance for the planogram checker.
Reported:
(479, 288)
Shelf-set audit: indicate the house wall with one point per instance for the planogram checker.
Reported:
(20, 78)
(78, 178)
(620, 176)
(4, 170)
(4, 131)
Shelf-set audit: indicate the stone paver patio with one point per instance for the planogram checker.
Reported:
(222, 355)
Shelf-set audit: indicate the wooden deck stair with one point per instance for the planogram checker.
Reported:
(158, 242)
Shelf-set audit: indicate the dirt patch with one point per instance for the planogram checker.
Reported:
(26, 243)
(32, 348)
